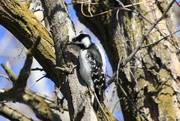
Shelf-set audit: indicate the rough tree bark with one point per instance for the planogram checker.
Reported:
(143, 50)
(50, 51)
(63, 31)
(141, 44)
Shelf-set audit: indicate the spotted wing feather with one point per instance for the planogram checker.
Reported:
(97, 74)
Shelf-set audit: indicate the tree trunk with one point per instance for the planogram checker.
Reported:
(51, 52)
(142, 46)
(63, 31)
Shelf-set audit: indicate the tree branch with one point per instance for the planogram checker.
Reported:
(27, 29)
(39, 106)
(12, 114)
(13, 77)
(72, 87)
(147, 33)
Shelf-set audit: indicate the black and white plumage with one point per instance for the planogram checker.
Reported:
(92, 64)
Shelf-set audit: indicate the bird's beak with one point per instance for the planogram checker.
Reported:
(73, 42)
(70, 43)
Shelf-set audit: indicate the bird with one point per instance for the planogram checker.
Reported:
(92, 66)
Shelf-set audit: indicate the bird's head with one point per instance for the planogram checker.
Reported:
(82, 40)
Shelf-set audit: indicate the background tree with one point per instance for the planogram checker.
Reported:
(140, 41)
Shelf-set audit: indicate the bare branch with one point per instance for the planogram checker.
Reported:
(25, 71)
(119, 70)
(155, 43)
(26, 30)
(13, 77)
(37, 103)
(147, 33)
(12, 114)
(2, 75)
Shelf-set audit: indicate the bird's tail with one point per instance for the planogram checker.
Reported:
(98, 97)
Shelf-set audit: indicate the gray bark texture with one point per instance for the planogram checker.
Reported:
(57, 60)
(139, 37)
(143, 49)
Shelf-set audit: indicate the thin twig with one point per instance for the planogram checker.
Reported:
(146, 34)
(45, 97)
(154, 43)
(161, 33)
(2, 75)
(119, 8)
(115, 105)
(111, 80)
(36, 81)
(13, 77)
(37, 69)
(76, 2)
(124, 92)
(100, 105)
(120, 3)
(26, 69)
(21, 52)
(139, 12)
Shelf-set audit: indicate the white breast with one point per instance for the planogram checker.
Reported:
(85, 68)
